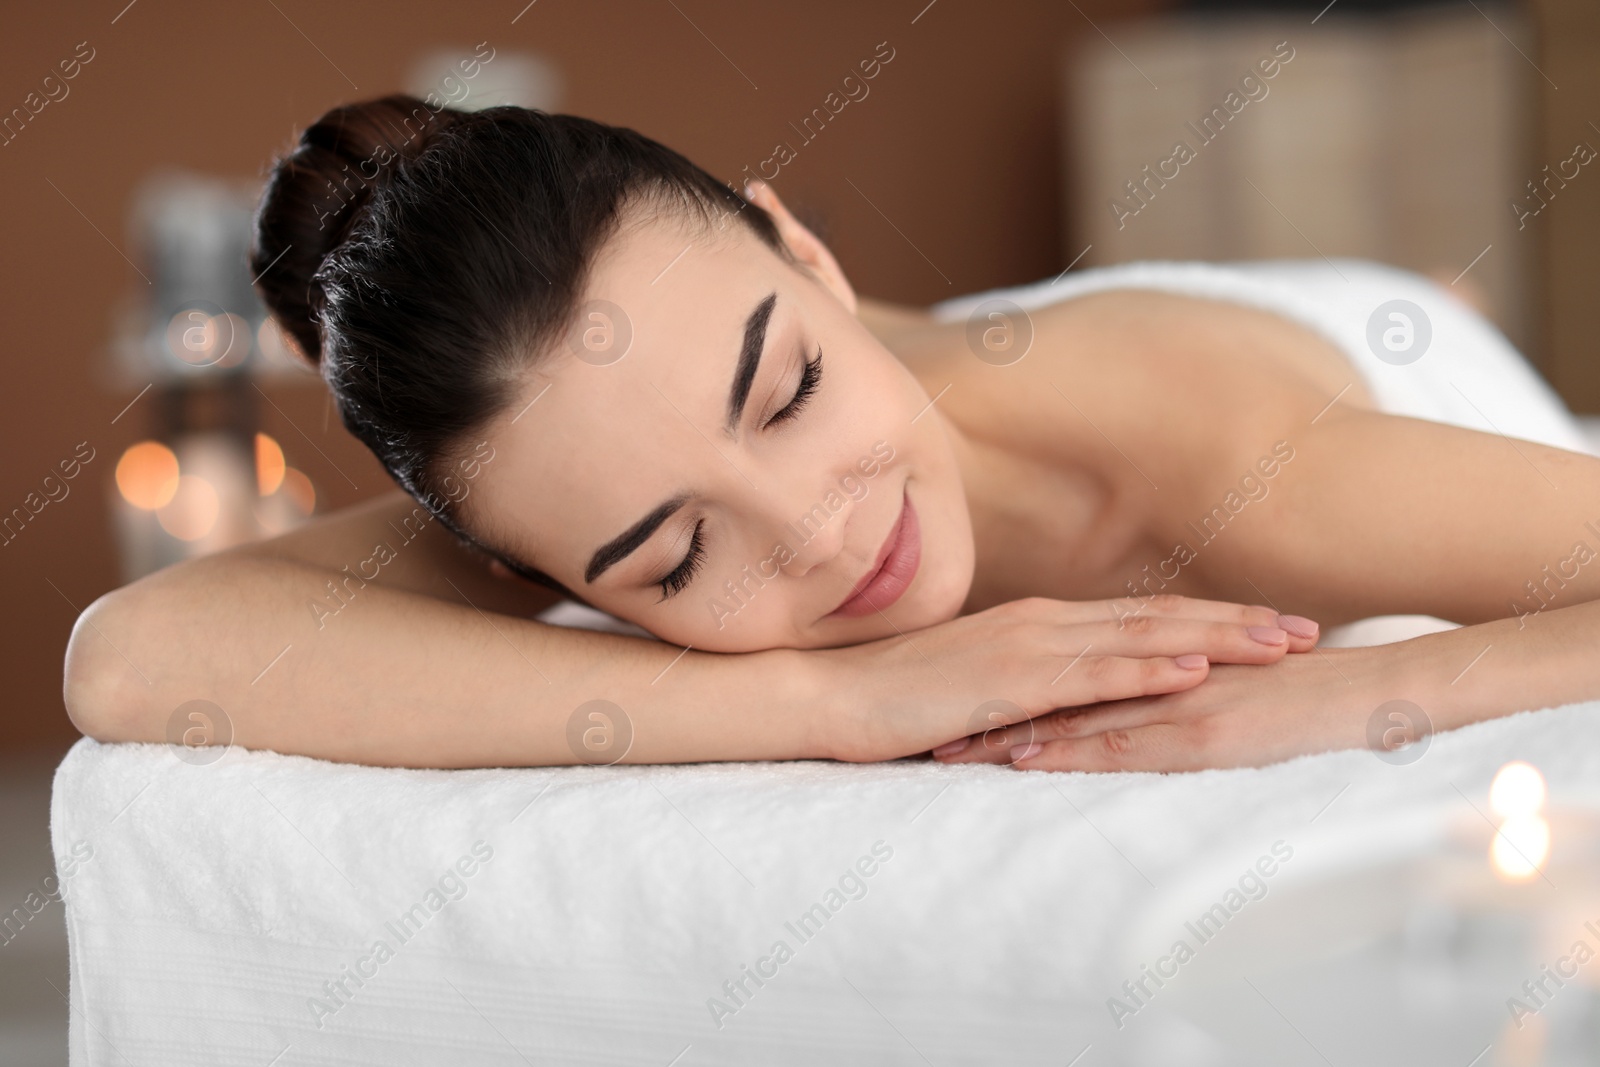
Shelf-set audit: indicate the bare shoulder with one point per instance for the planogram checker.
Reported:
(1192, 340)
(1161, 382)
(891, 322)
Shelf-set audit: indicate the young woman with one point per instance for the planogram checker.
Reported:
(857, 531)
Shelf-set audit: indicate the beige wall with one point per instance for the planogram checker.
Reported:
(956, 145)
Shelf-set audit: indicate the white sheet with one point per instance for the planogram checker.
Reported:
(617, 902)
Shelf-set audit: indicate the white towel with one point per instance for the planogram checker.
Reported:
(616, 902)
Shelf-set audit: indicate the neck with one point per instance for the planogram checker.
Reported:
(1041, 526)
(997, 503)
(1044, 522)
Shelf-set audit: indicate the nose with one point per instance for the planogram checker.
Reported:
(813, 525)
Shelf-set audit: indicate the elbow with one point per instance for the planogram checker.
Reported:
(104, 696)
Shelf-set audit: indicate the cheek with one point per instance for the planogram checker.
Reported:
(885, 395)
(747, 618)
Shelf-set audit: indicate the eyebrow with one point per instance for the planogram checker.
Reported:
(623, 545)
(755, 340)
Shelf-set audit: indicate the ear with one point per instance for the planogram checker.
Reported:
(810, 251)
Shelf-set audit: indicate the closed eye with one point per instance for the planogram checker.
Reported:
(810, 378)
(675, 582)
(684, 572)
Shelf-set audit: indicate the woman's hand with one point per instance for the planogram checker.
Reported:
(1378, 697)
(1242, 716)
(916, 691)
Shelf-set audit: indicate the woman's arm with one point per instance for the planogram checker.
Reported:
(1378, 697)
(1381, 514)
(373, 636)
(1376, 514)
(431, 663)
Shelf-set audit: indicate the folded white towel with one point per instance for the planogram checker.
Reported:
(963, 914)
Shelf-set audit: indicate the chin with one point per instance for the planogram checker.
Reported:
(948, 598)
(939, 600)
(948, 562)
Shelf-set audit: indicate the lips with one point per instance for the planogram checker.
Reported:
(892, 570)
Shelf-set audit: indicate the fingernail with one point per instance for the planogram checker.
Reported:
(1267, 635)
(1298, 625)
(950, 748)
(1022, 752)
(1191, 662)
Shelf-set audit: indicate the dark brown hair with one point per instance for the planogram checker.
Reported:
(424, 257)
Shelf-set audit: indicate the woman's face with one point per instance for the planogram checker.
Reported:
(724, 455)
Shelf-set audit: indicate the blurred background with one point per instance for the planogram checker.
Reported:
(148, 412)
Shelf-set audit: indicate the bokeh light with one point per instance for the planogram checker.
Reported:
(147, 475)
(192, 336)
(277, 346)
(269, 465)
(234, 336)
(192, 512)
(299, 490)
(1518, 790)
(1520, 847)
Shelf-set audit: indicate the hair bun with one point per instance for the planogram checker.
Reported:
(316, 192)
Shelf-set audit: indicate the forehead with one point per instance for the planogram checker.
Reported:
(627, 407)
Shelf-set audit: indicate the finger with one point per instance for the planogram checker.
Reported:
(991, 746)
(1101, 680)
(1156, 747)
(1073, 723)
(998, 744)
(1165, 605)
(1183, 607)
(1094, 679)
(1303, 632)
(1154, 635)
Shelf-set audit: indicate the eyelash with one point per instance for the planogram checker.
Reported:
(810, 378)
(683, 573)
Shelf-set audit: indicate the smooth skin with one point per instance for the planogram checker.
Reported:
(1043, 489)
